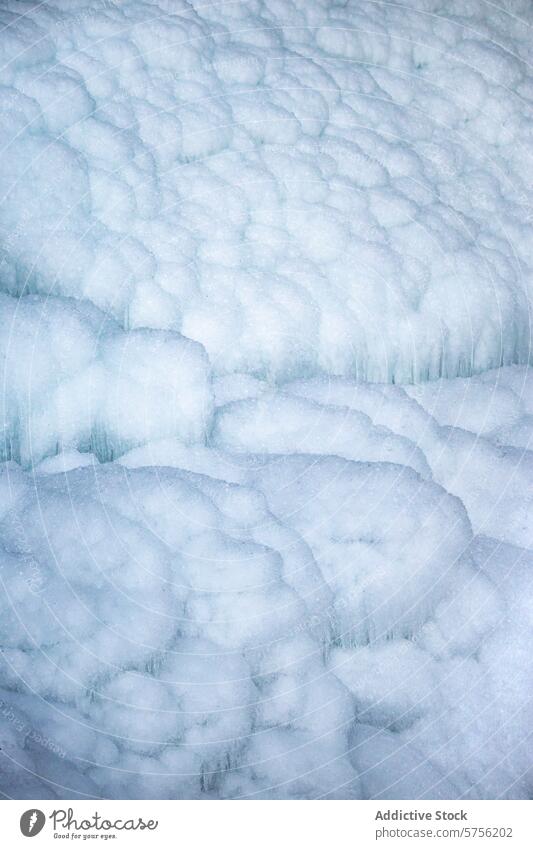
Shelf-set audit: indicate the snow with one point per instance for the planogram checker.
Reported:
(312, 187)
(69, 374)
(265, 480)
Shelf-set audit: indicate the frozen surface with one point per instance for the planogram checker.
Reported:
(303, 187)
(259, 615)
(266, 408)
(70, 374)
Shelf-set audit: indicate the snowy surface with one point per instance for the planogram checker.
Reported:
(265, 481)
(302, 187)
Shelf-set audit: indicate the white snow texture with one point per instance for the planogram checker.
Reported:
(265, 480)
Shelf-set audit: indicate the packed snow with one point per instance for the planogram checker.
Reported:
(265, 331)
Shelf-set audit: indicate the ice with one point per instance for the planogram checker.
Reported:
(366, 524)
(284, 425)
(267, 409)
(301, 188)
(231, 623)
(70, 373)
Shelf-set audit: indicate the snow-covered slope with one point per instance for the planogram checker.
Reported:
(244, 550)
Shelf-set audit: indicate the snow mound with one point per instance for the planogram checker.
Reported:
(74, 379)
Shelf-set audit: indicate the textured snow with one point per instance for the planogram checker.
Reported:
(256, 617)
(70, 374)
(302, 187)
(265, 480)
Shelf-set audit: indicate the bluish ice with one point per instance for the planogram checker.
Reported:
(266, 406)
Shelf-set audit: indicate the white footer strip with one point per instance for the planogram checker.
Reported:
(267, 824)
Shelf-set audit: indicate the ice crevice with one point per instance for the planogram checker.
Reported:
(266, 404)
